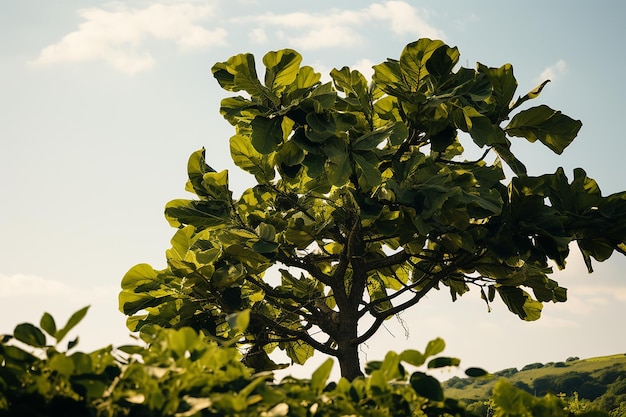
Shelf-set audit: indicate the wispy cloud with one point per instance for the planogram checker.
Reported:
(553, 72)
(24, 286)
(342, 28)
(120, 35)
(117, 35)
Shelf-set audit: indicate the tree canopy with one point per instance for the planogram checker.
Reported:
(364, 202)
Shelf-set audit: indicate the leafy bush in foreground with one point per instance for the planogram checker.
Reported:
(179, 372)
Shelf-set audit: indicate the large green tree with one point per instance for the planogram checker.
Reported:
(364, 203)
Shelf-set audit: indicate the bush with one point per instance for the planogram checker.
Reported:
(536, 365)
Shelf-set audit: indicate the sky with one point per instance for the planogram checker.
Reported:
(102, 102)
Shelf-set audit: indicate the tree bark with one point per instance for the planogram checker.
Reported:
(349, 363)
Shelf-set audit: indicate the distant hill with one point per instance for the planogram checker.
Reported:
(596, 382)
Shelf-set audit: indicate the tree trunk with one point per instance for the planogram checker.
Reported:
(349, 360)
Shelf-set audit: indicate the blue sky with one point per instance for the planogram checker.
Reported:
(101, 104)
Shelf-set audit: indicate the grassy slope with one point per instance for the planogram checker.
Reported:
(480, 388)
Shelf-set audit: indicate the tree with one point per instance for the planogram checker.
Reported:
(364, 203)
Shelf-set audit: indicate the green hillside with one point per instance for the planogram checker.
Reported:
(596, 382)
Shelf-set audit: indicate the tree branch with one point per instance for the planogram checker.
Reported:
(284, 331)
(381, 317)
(388, 261)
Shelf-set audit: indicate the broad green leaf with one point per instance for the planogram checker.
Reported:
(239, 73)
(434, 347)
(517, 166)
(354, 85)
(291, 154)
(322, 126)
(369, 176)
(550, 127)
(503, 84)
(520, 302)
(442, 61)
(396, 133)
(426, 386)
(182, 340)
(61, 364)
(299, 352)
(413, 357)
(29, 334)
(413, 61)
(139, 275)
(200, 213)
(196, 168)
(267, 134)
(249, 159)
(48, 325)
(74, 319)
(320, 376)
(475, 372)
(281, 68)
(338, 167)
(442, 362)
(481, 129)
(239, 109)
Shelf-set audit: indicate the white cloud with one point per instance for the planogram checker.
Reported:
(339, 28)
(117, 35)
(31, 286)
(364, 66)
(404, 19)
(258, 36)
(553, 72)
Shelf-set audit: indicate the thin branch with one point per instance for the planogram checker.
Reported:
(301, 335)
(483, 156)
(381, 317)
(388, 261)
(306, 265)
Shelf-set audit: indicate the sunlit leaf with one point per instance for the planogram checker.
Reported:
(550, 127)
(426, 386)
(30, 335)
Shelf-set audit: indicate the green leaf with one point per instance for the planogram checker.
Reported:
(320, 376)
(76, 318)
(246, 157)
(442, 61)
(550, 127)
(426, 386)
(48, 325)
(503, 84)
(196, 168)
(442, 362)
(481, 129)
(413, 61)
(281, 68)
(412, 357)
(475, 372)
(239, 73)
(338, 167)
(267, 134)
(30, 334)
(368, 175)
(72, 343)
(434, 347)
(520, 302)
(197, 213)
(299, 352)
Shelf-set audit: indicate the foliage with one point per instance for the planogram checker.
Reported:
(596, 383)
(365, 202)
(180, 372)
